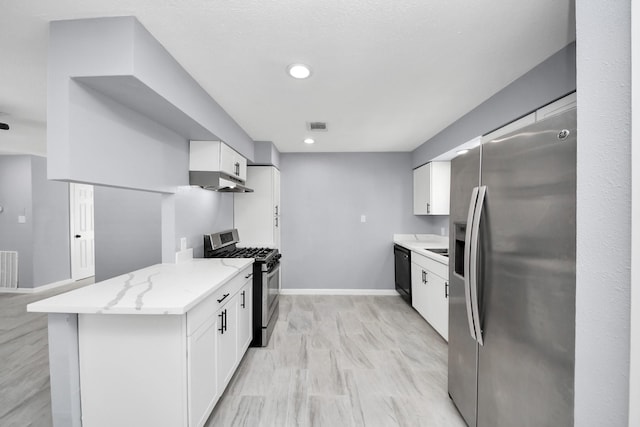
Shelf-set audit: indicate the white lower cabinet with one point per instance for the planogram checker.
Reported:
(202, 372)
(163, 370)
(418, 289)
(430, 292)
(437, 299)
(245, 317)
(227, 347)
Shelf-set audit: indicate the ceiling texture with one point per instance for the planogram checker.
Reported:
(387, 74)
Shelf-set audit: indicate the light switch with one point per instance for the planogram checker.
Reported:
(183, 243)
(363, 218)
(22, 219)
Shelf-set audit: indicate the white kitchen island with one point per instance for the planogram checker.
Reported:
(154, 347)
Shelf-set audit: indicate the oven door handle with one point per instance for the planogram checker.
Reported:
(273, 272)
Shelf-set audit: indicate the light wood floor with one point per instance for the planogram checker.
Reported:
(342, 361)
(25, 398)
(332, 361)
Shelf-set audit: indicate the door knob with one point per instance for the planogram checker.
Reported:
(78, 236)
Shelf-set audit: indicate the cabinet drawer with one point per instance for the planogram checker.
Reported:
(431, 265)
(198, 315)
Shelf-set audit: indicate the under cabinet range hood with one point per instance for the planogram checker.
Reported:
(213, 165)
(217, 181)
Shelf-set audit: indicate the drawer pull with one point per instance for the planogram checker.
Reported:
(223, 298)
(243, 297)
(221, 316)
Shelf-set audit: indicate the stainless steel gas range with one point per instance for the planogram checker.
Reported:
(266, 279)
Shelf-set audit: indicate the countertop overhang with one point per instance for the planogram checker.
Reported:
(158, 289)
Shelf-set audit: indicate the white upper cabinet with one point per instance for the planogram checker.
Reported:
(431, 185)
(257, 215)
(214, 156)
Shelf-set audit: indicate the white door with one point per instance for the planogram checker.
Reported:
(82, 235)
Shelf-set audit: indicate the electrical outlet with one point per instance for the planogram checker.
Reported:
(363, 218)
(22, 219)
(442, 231)
(183, 243)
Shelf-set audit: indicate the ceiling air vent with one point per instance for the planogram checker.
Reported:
(317, 126)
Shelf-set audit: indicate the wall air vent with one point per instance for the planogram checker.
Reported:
(317, 126)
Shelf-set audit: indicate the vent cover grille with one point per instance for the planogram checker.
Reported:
(317, 126)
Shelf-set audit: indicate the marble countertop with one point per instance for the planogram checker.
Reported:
(418, 243)
(158, 289)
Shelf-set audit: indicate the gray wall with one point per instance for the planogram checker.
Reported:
(324, 244)
(51, 252)
(604, 213)
(200, 212)
(127, 230)
(42, 241)
(266, 153)
(546, 82)
(118, 101)
(15, 198)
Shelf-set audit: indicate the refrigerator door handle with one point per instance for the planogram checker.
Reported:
(473, 279)
(467, 258)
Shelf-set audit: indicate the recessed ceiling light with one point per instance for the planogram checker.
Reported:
(299, 71)
(309, 141)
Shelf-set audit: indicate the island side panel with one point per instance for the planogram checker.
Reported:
(64, 370)
(133, 370)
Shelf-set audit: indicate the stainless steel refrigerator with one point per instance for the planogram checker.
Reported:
(512, 277)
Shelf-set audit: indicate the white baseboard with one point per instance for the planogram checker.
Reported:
(37, 289)
(379, 292)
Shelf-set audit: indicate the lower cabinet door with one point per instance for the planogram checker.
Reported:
(438, 304)
(245, 315)
(227, 347)
(202, 384)
(418, 289)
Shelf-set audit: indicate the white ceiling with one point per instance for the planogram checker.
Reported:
(387, 74)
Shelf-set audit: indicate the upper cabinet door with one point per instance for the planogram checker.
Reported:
(217, 156)
(232, 162)
(241, 165)
(421, 190)
(431, 186)
(228, 160)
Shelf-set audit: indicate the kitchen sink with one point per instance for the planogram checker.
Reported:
(443, 252)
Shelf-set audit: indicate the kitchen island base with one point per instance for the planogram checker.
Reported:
(162, 363)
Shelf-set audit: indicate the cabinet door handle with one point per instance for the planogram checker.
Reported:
(224, 323)
(237, 168)
(446, 289)
(276, 221)
(223, 298)
(428, 207)
(221, 329)
(242, 303)
(424, 279)
(276, 209)
(248, 275)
